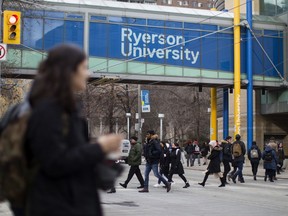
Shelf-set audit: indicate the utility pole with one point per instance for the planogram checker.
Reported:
(139, 114)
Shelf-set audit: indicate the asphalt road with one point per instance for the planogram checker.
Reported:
(252, 198)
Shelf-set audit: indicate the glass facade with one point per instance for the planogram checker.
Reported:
(148, 46)
(273, 7)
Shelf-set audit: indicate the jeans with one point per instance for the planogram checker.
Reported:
(227, 169)
(239, 170)
(189, 159)
(154, 168)
(194, 158)
(254, 166)
(135, 170)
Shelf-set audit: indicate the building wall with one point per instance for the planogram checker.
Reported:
(264, 126)
(199, 4)
(229, 5)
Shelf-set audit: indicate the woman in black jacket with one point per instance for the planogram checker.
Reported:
(176, 165)
(214, 165)
(65, 181)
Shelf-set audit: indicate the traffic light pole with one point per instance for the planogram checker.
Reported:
(1, 26)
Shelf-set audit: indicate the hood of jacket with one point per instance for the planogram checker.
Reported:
(154, 137)
(268, 148)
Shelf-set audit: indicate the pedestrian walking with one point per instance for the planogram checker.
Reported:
(254, 155)
(189, 151)
(238, 153)
(270, 163)
(152, 152)
(196, 153)
(227, 156)
(214, 165)
(281, 158)
(65, 179)
(134, 161)
(176, 165)
(205, 149)
(164, 162)
(274, 146)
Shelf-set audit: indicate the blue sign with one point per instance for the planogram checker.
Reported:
(178, 44)
(145, 101)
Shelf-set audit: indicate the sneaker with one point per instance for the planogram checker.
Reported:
(202, 184)
(144, 191)
(113, 190)
(186, 185)
(123, 185)
(168, 187)
(157, 185)
(234, 180)
(204, 164)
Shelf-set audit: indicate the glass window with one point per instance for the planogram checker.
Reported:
(225, 48)
(53, 33)
(173, 24)
(209, 52)
(97, 39)
(33, 13)
(102, 18)
(75, 16)
(53, 14)
(74, 32)
(155, 22)
(33, 32)
(192, 50)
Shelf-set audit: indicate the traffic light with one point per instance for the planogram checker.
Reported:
(12, 27)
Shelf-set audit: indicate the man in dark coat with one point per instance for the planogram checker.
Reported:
(164, 162)
(189, 150)
(152, 152)
(227, 156)
(214, 165)
(176, 165)
(281, 158)
(238, 153)
(134, 160)
(254, 155)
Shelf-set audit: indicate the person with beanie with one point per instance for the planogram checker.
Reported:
(214, 165)
(134, 160)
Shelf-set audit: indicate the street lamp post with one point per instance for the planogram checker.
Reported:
(128, 116)
(161, 116)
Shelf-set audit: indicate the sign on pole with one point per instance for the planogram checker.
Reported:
(145, 101)
(3, 52)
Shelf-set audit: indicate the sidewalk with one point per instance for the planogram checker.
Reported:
(247, 170)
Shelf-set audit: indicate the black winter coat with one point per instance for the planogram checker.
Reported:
(205, 149)
(152, 150)
(189, 149)
(227, 151)
(214, 165)
(65, 183)
(165, 157)
(176, 165)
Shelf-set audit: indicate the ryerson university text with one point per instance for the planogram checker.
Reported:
(136, 45)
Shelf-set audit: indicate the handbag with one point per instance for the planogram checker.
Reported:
(106, 174)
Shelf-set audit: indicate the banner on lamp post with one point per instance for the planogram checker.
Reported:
(145, 101)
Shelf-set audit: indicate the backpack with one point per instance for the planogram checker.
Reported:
(13, 164)
(227, 149)
(268, 157)
(254, 154)
(237, 150)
